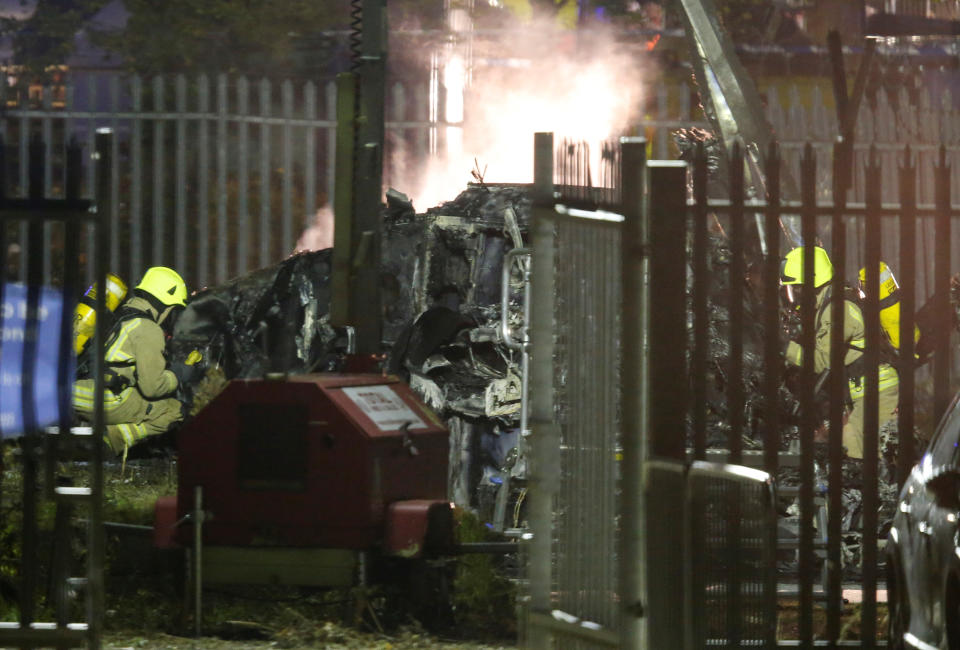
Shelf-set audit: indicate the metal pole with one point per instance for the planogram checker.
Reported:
(634, 326)
(343, 199)
(668, 401)
(366, 309)
(942, 355)
(545, 434)
(838, 392)
(907, 272)
(105, 207)
(808, 422)
(198, 560)
(772, 368)
(668, 296)
(871, 404)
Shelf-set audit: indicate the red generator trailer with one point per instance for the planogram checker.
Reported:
(308, 480)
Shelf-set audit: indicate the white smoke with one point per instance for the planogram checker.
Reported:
(579, 85)
(319, 234)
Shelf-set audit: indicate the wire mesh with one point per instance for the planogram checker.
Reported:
(586, 361)
(731, 555)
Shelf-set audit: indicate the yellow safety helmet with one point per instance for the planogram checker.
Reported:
(791, 268)
(165, 285)
(791, 272)
(888, 283)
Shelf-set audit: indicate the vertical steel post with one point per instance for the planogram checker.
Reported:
(288, 241)
(772, 368)
(158, 233)
(114, 182)
(544, 431)
(203, 180)
(668, 280)
(91, 130)
(243, 177)
(735, 391)
(105, 208)
(838, 390)
(310, 153)
(343, 229)
(736, 278)
(265, 97)
(665, 541)
(198, 560)
(808, 230)
(46, 125)
(136, 182)
(358, 195)
(180, 177)
(942, 355)
(871, 402)
(634, 324)
(701, 317)
(223, 234)
(908, 305)
(22, 181)
(367, 311)
(34, 252)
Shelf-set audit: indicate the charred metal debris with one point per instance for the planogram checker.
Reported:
(441, 284)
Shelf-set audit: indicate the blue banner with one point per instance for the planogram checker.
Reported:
(13, 335)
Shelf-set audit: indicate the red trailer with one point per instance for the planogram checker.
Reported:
(302, 479)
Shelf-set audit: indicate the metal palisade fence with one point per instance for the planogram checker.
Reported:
(219, 175)
(740, 393)
(212, 175)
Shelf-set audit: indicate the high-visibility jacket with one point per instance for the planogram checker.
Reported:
(145, 406)
(853, 335)
(135, 352)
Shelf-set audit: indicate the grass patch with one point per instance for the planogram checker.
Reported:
(484, 597)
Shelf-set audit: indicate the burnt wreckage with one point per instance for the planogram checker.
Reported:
(441, 283)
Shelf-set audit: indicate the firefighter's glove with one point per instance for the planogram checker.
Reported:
(187, 371)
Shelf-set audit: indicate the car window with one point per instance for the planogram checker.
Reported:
(944, 447)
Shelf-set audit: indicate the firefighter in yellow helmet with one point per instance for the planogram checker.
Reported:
(140, 397)
(792, 283)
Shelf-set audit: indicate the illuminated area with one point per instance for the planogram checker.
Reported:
(577, 90)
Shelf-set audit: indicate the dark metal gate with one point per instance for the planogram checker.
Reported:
(41, 448)
(739, 407)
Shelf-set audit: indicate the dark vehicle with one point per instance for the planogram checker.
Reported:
(923, 547)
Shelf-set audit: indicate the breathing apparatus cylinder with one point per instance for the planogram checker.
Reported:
(889, 298)
(85, 316)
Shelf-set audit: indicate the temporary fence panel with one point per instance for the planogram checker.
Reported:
(575, 424)
(731, 557)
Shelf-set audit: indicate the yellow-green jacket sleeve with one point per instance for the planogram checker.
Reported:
(852, 332)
